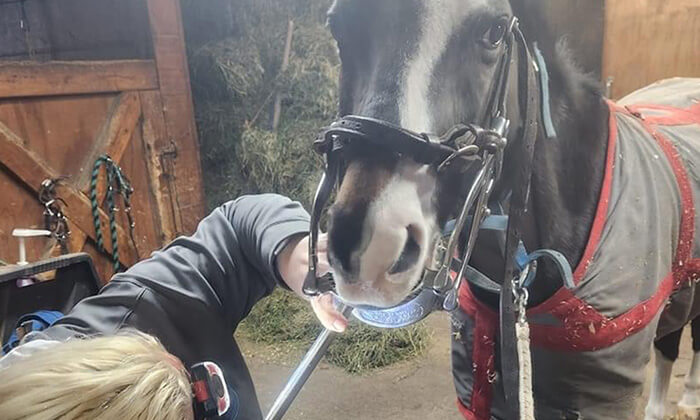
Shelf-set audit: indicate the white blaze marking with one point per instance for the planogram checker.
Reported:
(441, 18)
(405, 201)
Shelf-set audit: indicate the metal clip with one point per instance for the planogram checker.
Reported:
(54, 219)
(521, 295)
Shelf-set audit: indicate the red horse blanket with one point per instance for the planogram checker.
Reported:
(637, 277)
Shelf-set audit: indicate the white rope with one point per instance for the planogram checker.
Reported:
(527, 404)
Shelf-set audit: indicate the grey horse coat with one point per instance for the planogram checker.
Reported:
(636, 280)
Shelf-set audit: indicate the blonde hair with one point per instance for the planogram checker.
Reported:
(125, 376)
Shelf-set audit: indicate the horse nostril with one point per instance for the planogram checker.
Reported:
(345, 235)
(409, 254)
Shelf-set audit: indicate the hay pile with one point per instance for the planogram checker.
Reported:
(234, 82)
(285, 320)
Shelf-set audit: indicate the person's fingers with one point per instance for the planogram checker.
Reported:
(326, 313)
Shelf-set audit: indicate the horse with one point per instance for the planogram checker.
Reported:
(612, 189)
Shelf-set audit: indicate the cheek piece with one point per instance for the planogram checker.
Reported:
(211, 397)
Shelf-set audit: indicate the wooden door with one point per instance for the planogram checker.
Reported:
(649, 40)
(56, 119)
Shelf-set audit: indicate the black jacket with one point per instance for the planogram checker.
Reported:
(192, 294)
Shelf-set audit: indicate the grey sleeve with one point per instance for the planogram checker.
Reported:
(218, 273)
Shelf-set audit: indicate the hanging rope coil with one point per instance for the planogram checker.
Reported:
(116, 181)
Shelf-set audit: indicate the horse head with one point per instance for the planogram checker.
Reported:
(424, 66)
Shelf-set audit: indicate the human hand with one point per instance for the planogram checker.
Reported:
(293, 266)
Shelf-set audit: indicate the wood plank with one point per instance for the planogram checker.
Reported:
(147, 232)
(173, 74)
(31, 171)
(155, 138)
(648, 40)
(77, 121)
(113, 140)
(59, 129)
(96, 29)
(19, 209)
(75, 77)
(75, 30)
(114, 137)
(165, 17)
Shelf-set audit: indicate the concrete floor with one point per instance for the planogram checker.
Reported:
(418, 389)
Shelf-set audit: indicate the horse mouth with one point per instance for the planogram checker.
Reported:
(409, 255)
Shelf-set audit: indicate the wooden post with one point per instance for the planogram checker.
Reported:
(285, 64)
(178, 110)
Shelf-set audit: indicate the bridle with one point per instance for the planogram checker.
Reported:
(481, 145)
(463, 144)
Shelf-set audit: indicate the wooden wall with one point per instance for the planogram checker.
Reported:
(176, 96)
(57, 117)
(648, 40)
(75, 30)
(636, 42)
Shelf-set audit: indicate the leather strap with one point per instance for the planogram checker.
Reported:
(517, 211)
(366, 131)
(545, 99)
(314, 285)
(560, 263)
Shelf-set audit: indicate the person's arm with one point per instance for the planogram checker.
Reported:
(219, 272)
(293, 263)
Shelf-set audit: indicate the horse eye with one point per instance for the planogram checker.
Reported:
(494, 35)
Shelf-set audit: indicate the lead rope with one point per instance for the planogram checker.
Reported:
(115, 179)
(522, 334)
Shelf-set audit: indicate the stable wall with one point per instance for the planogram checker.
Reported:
(88, 78)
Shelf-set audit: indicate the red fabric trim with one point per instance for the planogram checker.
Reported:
(483, 351)
(467, 413)
(687, 225)
(674, 116)
(584, 328)
(693, 269)
(602, 210)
